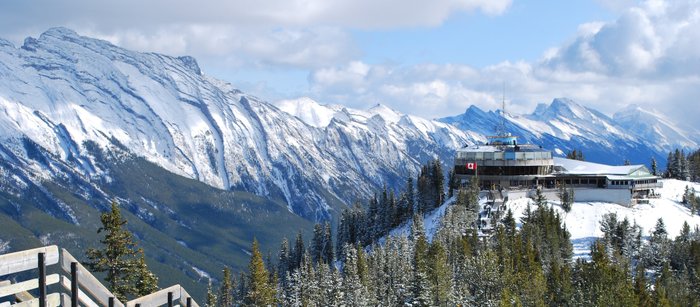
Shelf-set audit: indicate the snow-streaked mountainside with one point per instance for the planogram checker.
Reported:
(654, 126)
(61, 90)
(564, 125)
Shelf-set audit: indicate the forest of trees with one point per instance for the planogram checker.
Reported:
(526, 262)
(531, 265)
(682, 166)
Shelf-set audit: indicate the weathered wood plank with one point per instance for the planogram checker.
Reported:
(26, 260)
(27, 285)
(87, 281)
(23, 296)
(83, 297)
(157, 298)
(52, 300)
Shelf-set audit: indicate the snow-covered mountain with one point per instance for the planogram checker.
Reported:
(62, 90)
(564, 125)
(654, 126)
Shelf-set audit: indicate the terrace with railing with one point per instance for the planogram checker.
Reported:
(72, 285)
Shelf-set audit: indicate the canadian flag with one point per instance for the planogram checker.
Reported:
(471, 165)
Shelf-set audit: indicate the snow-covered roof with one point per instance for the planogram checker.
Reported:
(576, 167)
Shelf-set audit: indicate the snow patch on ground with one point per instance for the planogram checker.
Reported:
(583, 221)
(201, 273)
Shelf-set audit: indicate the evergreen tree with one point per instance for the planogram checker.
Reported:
(421, 285)
(211, 297)
(438, 183)
(575, 155)
(298, 252)
(410, 198)
(423, 188)
(283, 262)
(627, 162)
(439, 274)
(260, 291)
(354, 294)
(641, 289)
(118, 257)
(683, 166)
(327, 253)
(657, 252)
(670, 166)
(654, 170)
(145, 281)
(566, 196)
(226, 290)
(452, 183)
(317, 243)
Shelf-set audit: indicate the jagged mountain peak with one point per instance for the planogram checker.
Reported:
(63, 90)
(563, 108)
(309, 111)
(387, 113)
(650, 124)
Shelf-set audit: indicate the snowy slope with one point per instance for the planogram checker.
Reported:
(583, 221)
(61, 90)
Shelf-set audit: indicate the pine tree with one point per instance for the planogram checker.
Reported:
(641, 289)
(410, 199)
(283, 262)
(684, 168)
(438, 183)
(118, 256)
(260, 291)
(316, 248)
(327, 253)
(654, 167)
(145, 281)
(452, 183)
(670, 166)
(298, 252)
(439, 274)
(226, 289)
(354, 294)
(211, 297)
(566, 196)
(421, 285)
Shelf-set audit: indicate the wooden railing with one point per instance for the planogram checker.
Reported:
(79, 288)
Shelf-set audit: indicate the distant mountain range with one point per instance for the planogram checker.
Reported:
(203, 167)
(563, 125)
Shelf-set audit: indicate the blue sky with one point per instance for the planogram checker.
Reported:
(429, 58)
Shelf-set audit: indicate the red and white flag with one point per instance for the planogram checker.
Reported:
(471, 165)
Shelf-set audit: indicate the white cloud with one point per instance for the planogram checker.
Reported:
(649, 56)
(296, 33)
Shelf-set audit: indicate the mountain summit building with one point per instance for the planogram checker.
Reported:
(502, 163)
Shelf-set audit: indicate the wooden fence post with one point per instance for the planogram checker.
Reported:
(74, 284)
(42, 279)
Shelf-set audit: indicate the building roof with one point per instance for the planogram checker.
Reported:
(576, 167)
(502, 148)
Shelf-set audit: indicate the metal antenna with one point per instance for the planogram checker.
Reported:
(503, 111)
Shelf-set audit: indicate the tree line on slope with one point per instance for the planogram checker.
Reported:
(517, 266)
(683, 167)
(530, 265)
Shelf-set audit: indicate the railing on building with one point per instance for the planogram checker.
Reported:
(79, 288)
